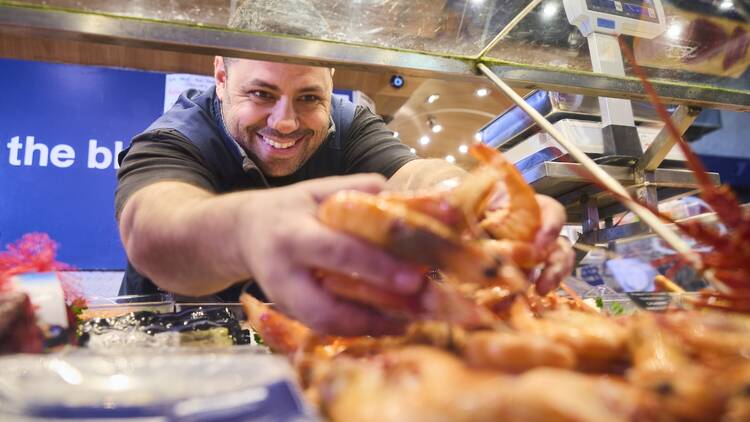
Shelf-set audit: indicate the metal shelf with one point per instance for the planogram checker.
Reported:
(569, 184)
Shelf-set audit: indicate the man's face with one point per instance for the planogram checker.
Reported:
(279, 113)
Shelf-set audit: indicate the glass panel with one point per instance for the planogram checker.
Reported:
(457, 27)
(706, 43)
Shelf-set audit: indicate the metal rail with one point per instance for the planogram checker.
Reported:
(172, 36)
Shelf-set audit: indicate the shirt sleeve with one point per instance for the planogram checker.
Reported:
(372, 148)
(159, 156)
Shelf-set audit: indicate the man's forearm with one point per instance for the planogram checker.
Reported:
(182, 237)
(423, 174)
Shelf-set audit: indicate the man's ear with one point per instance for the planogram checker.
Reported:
(333, 70)
(220, 76)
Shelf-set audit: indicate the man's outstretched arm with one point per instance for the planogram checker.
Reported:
(192, 242)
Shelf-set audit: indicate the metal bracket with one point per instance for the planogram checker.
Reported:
(683, 117)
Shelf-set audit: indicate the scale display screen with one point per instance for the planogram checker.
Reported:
(643, 10)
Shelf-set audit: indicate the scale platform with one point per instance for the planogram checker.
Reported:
(567, 182)
(547, 167)
(587, 135)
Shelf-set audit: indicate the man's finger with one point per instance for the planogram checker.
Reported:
(553, 218)
(308, 302)
(324, 187)
(559, 264)
(345, 254)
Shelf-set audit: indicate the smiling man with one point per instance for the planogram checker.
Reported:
(224, 188)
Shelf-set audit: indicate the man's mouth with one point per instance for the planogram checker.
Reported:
(279, 144)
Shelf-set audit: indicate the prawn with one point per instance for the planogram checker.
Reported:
(687, 390)
(443, 230)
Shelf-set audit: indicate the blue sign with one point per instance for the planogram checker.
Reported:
(61, 127)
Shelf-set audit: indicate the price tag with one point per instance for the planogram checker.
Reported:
(651, 301)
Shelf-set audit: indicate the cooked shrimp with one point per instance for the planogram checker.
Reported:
(517, 216)
(596, 340)
(419, 383)
(686, 390)
(439, 302)
(515, 352)
(713, 335)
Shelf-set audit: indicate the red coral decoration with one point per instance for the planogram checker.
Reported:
(35, 253)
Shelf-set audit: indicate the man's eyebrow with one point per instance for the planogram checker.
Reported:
(260, 83)
(312, 88)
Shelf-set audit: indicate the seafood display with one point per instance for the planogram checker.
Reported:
(520, 355)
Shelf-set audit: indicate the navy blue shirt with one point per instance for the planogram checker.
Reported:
(189, 143)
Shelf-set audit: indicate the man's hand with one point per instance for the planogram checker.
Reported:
(288, 243)
(559, 256)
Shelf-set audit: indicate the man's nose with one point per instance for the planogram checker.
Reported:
(283, 117)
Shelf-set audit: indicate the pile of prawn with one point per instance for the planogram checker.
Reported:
(483, 344)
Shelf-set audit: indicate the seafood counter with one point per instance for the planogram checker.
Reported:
(482, 341)
(485, 344)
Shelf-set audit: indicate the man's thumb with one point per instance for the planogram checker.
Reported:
(321, 188)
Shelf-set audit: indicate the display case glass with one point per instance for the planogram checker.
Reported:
(701, 58)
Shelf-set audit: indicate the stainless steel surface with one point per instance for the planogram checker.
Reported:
(606, 59)
(569, 183)
(683, 117)
(597, 173)
(646, 190)
(514, 125)
(148, 31)
(610, 234)
(541, 176)
(630, 88)
(590, 221)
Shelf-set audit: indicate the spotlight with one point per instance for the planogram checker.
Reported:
(435, 126)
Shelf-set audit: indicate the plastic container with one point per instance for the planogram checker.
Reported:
(242, 383)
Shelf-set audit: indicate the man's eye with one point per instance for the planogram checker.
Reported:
(310, 98)
(263, 95)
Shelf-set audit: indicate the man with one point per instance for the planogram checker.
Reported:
(224, 188)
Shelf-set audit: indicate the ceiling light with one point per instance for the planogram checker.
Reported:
(550, 10)
(478, 136)
(435, 126)
(482, 92)
(432, 98)
(449, 158)
(463, 149)
(413, 151)
(424, 140)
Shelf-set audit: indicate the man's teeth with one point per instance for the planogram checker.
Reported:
(278, 145)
